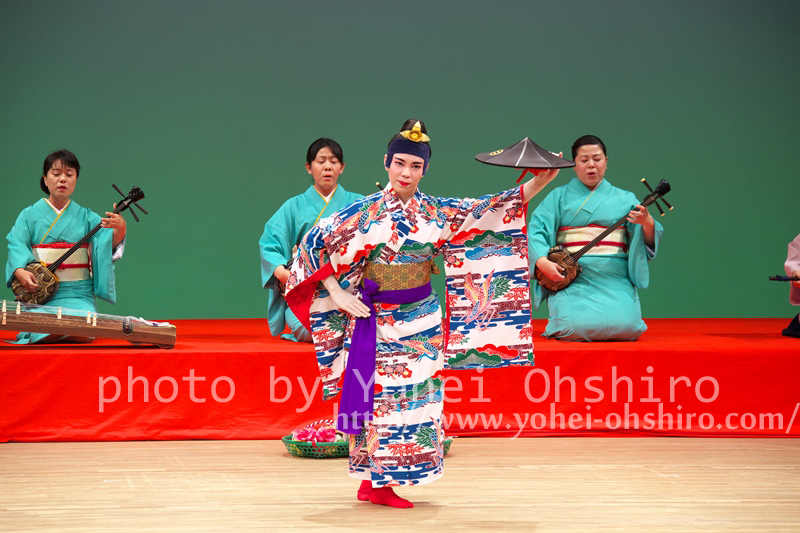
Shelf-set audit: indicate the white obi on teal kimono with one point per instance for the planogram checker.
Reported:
(281, 234)
(602, 303)
(88, 273)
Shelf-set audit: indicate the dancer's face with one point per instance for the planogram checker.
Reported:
(325, 169)
(405, 171)
(590, 164)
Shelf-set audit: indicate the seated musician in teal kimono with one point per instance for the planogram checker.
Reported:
(47, 229)
(282, 233)
(602, 303)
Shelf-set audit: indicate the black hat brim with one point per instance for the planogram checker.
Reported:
(524, 154)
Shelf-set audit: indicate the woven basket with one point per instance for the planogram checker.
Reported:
(447, 443)
(325, 450)
(322, 450)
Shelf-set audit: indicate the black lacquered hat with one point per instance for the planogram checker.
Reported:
(524, 154)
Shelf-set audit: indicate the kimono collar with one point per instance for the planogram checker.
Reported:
(58, 220)
(45, 209)
(601, 187)
(394, 202)
(327, 199)
(318, 201)
(593, 198)
(58, 211)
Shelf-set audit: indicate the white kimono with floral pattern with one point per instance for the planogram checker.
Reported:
(487, 324)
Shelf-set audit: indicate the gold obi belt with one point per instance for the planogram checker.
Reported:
(75, 268)
(402, 276)
(573, 238)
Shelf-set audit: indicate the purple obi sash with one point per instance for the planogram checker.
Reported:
(358, 389)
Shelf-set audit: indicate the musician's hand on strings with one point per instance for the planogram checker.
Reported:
(116, 222)
(27, 279)
(550, 269)
(640, 215)
(113, 220)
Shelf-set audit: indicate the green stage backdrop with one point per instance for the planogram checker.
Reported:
(209, 107)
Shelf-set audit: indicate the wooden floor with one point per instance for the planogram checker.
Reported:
(539, 485)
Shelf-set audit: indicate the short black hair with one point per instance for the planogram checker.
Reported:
(321, 143)
(67, 159)
(586, 140)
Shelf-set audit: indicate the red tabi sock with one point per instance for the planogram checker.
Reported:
(386, 496)
(364, 490)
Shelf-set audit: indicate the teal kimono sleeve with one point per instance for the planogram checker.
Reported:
(103, 279)
(276, 249)
(19, 247)
(541, 237)
(639, 254)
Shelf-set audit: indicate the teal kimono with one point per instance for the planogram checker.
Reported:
(74, 223)
(281, 235)
(602, 303)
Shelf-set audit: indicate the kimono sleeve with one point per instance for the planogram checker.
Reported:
(119, 251)
(544, 224)
(639, 254)
(313, 306)
(275, 245)
(335, 246)
(311, 265)
(19, 247)
(792, 264)
(488, 298)
(103, 279)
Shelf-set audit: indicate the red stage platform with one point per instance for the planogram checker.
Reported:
(228, 379)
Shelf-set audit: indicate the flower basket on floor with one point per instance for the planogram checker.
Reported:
(320, 450)
(318, 439)
(321, 440)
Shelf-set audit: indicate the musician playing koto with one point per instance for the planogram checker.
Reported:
(47, 229)
(602, 304)
(282, 233)
(361, 283)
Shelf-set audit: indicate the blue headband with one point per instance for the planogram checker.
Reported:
(404, 146)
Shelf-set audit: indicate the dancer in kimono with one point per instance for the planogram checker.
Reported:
(792, 267)
(282, 233)
(361, 284)
(48, 228)
(602, 303)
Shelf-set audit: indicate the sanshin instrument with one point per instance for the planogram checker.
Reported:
(46, 274)
(17, 316)
(569, 261)
(784, 278)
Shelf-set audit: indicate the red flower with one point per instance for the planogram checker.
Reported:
(327, 434)
(305, 434)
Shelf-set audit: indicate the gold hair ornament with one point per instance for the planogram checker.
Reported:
(415, 134)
